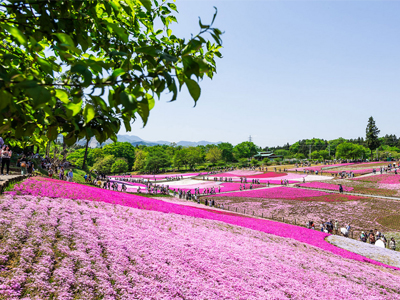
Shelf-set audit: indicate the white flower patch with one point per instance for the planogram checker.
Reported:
(383, 255)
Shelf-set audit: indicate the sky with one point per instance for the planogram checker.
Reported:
(290, 70)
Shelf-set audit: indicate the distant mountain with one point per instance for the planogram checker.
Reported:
(136, 141)
(129, 138)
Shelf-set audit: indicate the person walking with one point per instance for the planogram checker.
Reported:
(371, 237)
(6, 154)
(23, 162)
(392, 244)
(70, 175)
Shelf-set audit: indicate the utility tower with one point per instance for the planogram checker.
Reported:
(250, 139)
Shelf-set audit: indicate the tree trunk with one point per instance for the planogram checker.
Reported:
(48, 149)
(84, 158)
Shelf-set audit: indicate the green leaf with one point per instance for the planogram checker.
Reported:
(150, 50)
(150, 101)
(88, 113)
(45, 65)
(194, 89)
(74, 108)
(117, 72)
(16, 33)
(146, 4)
(119, 31)
(62, 95)
(172, 6)
(143, 110)
(39, 95)
(168, 57)
(52, 133)
(83, 70)
(128, 101)
(98, 101)
(5, 99)
(65, 39)
(169, 32)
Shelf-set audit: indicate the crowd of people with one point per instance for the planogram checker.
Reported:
(372, 238)
(366, 237)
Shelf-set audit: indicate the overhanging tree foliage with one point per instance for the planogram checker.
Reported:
(82, 68)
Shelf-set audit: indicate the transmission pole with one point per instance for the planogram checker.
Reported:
(250, 140)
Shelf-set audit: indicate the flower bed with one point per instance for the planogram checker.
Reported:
(225, 187)
(325, 186)
(236, 173)
(268, 175)
(61, 189)
(289, 193)
(381, 178)
(62, 249)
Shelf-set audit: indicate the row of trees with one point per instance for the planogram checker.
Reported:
(123, 157)
(360, 148)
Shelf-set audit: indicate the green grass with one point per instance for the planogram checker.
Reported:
(79, 175)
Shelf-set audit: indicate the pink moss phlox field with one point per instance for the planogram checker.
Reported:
(60, 189)
(267, 175)
(325, 186)
(63, 249)
(381, 178)
(225, 187)
(236, 173)
(290, 193)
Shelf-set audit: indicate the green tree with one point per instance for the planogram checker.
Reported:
(227, 151)
(372, 132)
(193, 156)
(140, 160)
(156, 160)
(300, 156)
(118, 149)
(120, 166)
(348, 150)
(243, 162)
(265, 161)
(245, 150)
(179, 158)
(213, 155)
(59, 58)
(322, 154)
(103, 164)
(254, 162)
